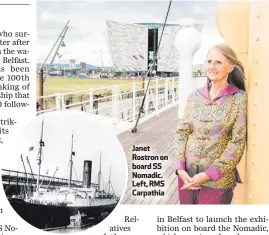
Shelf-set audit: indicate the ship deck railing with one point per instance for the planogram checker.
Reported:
(121, 102)
(11, 177)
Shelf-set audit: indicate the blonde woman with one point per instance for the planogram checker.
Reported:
(212, 135)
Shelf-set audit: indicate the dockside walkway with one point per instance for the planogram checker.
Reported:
(159, 134)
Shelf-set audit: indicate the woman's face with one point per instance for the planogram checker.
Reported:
(217, 66)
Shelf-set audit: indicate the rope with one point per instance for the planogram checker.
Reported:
(66, 169)
(103, 183)
(75, 172)
(150, 69)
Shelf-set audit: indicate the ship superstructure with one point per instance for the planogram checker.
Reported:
(51, 207)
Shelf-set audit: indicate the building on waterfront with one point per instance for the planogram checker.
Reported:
(133, 47)
(73, 70)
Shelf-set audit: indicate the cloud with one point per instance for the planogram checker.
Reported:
(86, 34)
(210, 37)
(198, 9)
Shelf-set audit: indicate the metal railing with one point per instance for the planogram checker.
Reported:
(121, 102)
(11, 177)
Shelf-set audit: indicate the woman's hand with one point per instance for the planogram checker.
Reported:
(187, 180)
(197, 180)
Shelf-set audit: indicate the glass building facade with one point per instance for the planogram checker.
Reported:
(134, 46)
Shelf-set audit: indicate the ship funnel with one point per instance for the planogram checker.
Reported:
(87, 173)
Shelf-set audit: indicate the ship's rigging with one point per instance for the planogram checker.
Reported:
(40, 179)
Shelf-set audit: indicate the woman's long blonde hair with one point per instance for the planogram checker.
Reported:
(237, 76)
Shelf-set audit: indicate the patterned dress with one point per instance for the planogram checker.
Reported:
(212, 135)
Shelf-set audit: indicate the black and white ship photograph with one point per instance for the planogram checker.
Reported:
(65, 172)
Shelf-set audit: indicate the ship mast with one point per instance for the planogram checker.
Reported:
(27, 159)
(26, 187)
(109, 184)
(52, 177)
(71, 162)
(44, 177)
(41, 145)
(99, 175)
(109, 180)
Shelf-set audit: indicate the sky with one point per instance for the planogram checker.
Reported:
(91, 140)
(86, 39)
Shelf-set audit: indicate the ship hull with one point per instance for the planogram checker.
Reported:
(92, 211)
(53, 217)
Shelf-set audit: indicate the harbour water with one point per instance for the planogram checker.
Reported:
(70, 230)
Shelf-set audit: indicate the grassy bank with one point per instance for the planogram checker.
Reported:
(54, 85)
